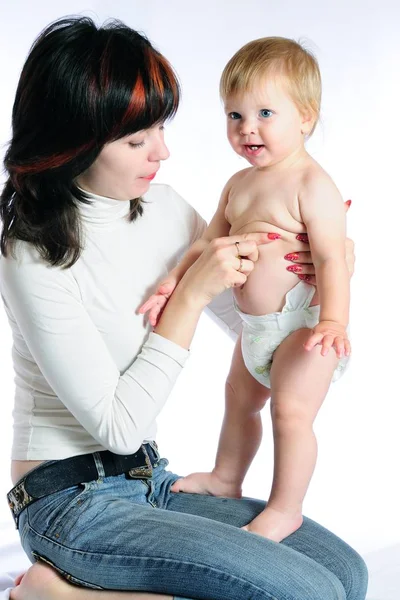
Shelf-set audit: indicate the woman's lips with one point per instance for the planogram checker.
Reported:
(150, 177)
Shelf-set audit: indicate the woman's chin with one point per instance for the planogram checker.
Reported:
(141, 186)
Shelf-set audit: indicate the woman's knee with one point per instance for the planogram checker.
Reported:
(324, 585)
(355, 575)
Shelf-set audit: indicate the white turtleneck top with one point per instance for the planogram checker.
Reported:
(89, 373)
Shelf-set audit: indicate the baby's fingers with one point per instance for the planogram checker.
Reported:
(313, 340)
(166, 289)
(327, 343)
(338, 346)
(342, 347)
(153, 316)
(148, 305)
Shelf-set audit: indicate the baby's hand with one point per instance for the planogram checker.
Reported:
(329, 334)
(206, 483)
(156, 303)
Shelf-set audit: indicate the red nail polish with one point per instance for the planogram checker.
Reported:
(291, 256)
(305, 277)
(348, 202)
(302, 237)
(294, 269)
(274, 236)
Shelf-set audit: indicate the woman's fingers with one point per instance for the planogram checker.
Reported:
(350, 258)
(311, 279)
(226, 262)
(299, 257)
(245, 245)
(347, 205)
(244, 266)
(303, 269)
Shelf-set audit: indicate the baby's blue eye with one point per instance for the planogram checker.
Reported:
(233, 115)
(265, 113)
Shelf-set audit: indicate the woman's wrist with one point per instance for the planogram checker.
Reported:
(179, 320)
(189, 295)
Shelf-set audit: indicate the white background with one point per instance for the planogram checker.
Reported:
(355, 489)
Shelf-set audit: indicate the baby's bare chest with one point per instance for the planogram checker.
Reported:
(270, 200)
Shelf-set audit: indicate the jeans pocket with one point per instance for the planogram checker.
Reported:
(63, 510)
(23, 529)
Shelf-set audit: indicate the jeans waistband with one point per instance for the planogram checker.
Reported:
(54, 476)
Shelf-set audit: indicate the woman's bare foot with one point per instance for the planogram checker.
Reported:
(41, 582)
(274, 524)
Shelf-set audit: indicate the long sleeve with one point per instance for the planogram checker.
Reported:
(116, 409)
(220, 309)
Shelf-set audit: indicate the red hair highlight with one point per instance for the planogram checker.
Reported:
(49, 162)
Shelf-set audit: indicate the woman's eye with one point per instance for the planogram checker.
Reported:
(136, 145)
(233, 116)
(265, 113)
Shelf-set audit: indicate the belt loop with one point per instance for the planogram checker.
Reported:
(154, 447)
(99, 465)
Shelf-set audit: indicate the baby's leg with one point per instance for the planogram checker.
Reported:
(241, 430)
(299, 383)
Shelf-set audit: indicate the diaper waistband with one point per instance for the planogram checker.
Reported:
(297, 306)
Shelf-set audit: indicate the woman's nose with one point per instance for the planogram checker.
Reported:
(159, 150)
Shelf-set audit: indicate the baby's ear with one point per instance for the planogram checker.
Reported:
(307, 122)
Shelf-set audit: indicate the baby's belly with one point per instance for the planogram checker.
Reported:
(267, 285)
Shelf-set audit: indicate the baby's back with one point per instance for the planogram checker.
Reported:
(268, 201)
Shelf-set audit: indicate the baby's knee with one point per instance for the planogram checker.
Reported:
(250, 398)
(291, 414)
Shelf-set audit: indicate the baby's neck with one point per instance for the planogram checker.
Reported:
(295, 159)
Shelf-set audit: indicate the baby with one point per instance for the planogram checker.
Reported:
(271, 89)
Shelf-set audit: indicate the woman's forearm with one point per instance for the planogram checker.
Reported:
(179, 320)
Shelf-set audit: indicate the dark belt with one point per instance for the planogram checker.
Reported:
(57, 475)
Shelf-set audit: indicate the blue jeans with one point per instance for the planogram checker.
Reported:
(130, 534)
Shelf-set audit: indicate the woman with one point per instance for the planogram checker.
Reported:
(79, 257)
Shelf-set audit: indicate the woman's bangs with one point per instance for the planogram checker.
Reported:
(154, 98)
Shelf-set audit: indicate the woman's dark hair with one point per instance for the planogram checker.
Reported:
(80, 88)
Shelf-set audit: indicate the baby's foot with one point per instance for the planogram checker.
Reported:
(41, 582)
(274, 524)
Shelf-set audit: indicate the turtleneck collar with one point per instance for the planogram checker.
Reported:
(102, 211)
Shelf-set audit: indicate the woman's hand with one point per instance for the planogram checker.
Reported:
(225, 263)
(303, 258)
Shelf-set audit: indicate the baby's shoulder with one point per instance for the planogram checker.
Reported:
(314, 179)
(239, 176)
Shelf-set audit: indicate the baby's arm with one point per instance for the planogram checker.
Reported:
(218, 227)
(323, 214)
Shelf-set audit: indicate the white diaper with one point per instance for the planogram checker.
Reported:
(263, 334)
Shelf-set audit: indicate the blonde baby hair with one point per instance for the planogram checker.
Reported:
(276, 56)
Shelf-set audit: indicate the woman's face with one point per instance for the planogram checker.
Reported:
(124, 168)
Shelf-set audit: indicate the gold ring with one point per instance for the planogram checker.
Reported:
(241, 263)
(237, 249)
